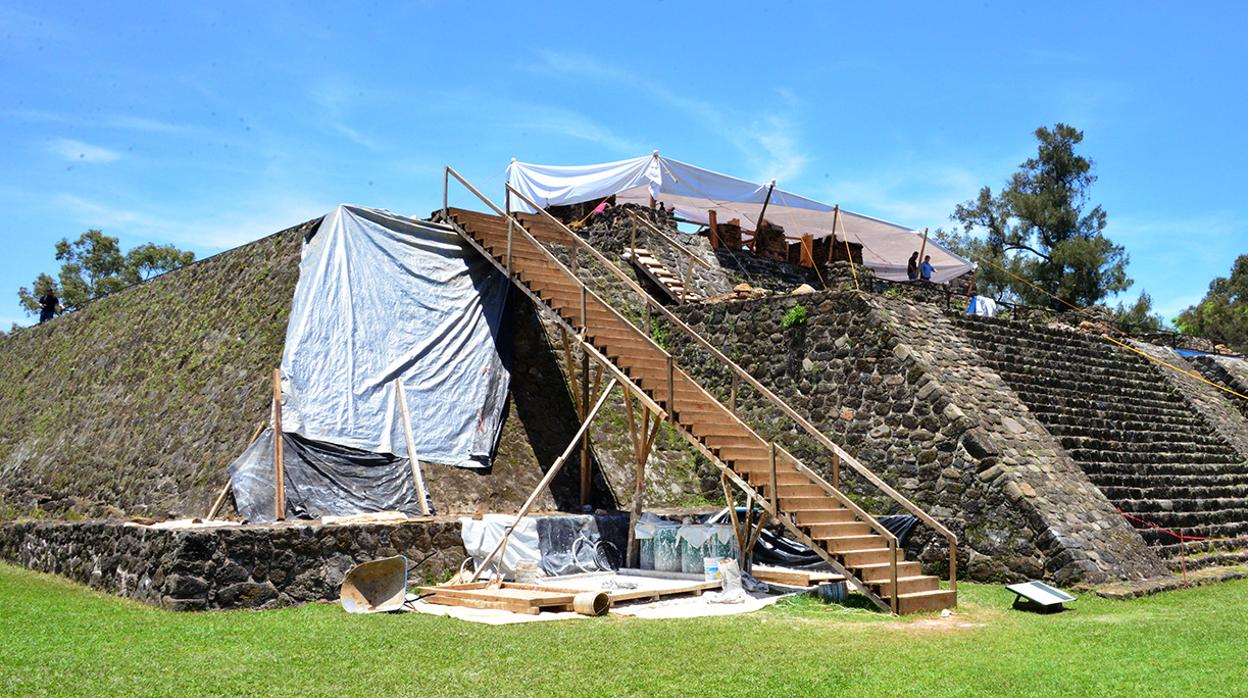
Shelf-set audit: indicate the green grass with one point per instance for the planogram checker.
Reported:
(58, 638)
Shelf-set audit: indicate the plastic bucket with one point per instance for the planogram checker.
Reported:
(832, 592)
(644, 533)
(723, 541)
(695, 545)
(666, 547)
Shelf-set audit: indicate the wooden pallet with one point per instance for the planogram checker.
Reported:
(535, 598)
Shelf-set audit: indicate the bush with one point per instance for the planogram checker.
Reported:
(796, 316)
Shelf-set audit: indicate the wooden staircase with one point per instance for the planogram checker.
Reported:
(850, 540)
(657, 271)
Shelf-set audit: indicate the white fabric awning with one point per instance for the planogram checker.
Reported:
(693, 192)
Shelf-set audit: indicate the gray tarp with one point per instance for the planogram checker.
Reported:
(381, 297)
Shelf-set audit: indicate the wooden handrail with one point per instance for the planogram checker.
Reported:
(593, 351)
(737, 370)
(745, 375)
(837, 494)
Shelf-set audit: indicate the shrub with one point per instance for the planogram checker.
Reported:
(796, 316)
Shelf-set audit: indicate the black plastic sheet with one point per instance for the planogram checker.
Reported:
(322, 479)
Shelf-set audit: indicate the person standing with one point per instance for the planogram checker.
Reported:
(926, 270)
(48, 303)
(912, 267)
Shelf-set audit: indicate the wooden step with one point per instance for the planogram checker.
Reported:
(851, 544)
(838, 529)
(817, 517)
(800, 504)
(918, 602)
(857, 558)
(907, 585)
(881, 571)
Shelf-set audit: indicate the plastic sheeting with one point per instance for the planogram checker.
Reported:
(562, 545)
(382, 297)
(693, 192)
(983, 306)
(321, 479)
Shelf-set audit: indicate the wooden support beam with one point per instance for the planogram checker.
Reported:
(586, 465)
(216, 505)
(413, 459)
(279, 468)
(714, 229)
(544, 483)
(642, 436)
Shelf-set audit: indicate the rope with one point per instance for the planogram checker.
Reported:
(1167, 364)
(848, 254)
(1067, 303)
(1182, 538)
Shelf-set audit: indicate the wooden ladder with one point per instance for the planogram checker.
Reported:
(853, 542)
(657, 271)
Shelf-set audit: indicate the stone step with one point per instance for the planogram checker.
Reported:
(1165, 469)
(1138, 457)
(1165, 490)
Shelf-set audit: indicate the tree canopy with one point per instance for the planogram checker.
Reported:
(94, 266)
(1041, 228)
(1222, 315)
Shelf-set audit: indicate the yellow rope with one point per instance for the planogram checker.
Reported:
(1167, 364)
(1016, 276)
(1150, 357)
(848, 254)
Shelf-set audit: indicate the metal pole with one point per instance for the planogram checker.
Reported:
(446, 185)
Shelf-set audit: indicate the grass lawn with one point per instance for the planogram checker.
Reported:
(59, 638)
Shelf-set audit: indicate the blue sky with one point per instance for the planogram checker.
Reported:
(211, 124)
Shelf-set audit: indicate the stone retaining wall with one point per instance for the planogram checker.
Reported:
(893, 382)
(227, 567)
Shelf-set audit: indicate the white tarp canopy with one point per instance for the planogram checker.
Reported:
(382, 297)
(693, 192)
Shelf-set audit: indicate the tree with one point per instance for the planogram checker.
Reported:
(1222, 315)
(1139, 316)
(93, 266)
(1040, 228)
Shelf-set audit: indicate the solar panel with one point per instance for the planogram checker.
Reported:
(1040, 596)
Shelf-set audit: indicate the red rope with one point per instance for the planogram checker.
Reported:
(1180, 536)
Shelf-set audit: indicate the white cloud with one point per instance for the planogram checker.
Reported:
(71, 150)
(215, 230)
(770, 142)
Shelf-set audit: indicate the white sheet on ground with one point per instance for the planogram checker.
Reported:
(383, 297)
(481, 536)
(693, 192)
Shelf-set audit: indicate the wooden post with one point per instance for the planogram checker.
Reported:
(643, 442)
(279, 471)
(836, 217)
(586, 466)
(714, 229)
(922, 251)
(775, 494)
(836, 470)
(413, 459)
(758, 225)
(732, 397)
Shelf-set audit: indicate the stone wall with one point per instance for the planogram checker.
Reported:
(227, 567)
(895, 385)
(135, 405)
(138, 401)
